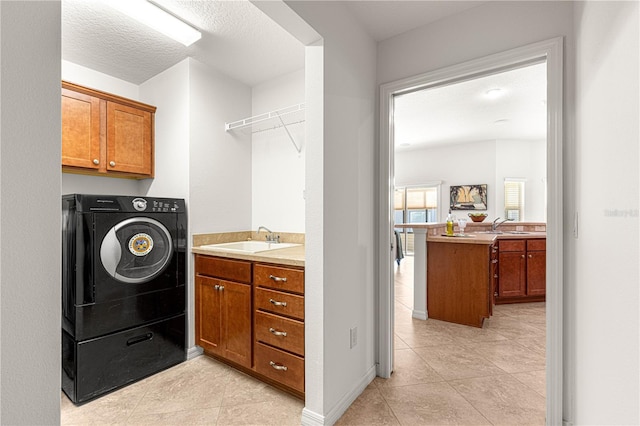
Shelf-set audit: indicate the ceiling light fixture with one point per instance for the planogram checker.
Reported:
(494, 93)
(158, 19)
(501, 121)
(405, 144)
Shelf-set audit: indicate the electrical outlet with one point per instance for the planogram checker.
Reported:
(354, 337)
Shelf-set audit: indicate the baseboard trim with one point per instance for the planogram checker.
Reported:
(194, 351)
(311, 418)
(314, 419)
(422, 315)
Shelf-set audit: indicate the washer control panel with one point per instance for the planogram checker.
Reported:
(140, 204)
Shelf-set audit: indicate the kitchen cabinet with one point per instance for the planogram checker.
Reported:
(223, 308)
(521, 270)
(105, 134)
(251, 315)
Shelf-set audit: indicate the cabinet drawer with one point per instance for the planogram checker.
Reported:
(281, 332)
(235, 270)
(537, 244)
(512, 245)
(279, 278)
(279, 303)
(280, 366)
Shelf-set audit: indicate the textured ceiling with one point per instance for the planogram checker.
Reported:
(385, 19)
(237, 39)
(462, 112)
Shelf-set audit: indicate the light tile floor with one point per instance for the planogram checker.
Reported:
(444, 374)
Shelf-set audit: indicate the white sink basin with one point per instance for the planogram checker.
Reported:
(249, 246)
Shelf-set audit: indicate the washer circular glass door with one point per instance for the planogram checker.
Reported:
(136, 250)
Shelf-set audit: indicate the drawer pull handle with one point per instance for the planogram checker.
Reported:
(277, 333)
(278, 279)
(276, 303)
(278, 366)
(139, 339)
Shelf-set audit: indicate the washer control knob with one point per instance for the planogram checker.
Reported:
(140, 204)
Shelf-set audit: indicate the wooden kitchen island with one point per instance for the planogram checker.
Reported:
(456, 279)
(459, 278)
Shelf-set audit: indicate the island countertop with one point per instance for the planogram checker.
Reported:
(482, 238)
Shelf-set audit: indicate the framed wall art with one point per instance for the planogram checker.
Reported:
(468, 197)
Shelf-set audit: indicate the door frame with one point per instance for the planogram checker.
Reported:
(552, 52)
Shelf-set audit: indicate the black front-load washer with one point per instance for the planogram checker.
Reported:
(123, 290)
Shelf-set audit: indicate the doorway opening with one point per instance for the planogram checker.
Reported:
(550, 52)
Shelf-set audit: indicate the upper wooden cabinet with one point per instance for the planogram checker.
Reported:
(105, 134)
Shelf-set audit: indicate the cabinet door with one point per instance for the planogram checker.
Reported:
(80, 130)
(536, 273)
(129, 139)
(236, 322)
(208, 319)
(511, 274)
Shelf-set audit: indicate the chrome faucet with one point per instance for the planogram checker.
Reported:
(270, 237)
(495, 223)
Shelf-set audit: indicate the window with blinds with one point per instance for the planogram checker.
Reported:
(416, 204)
(514, 199)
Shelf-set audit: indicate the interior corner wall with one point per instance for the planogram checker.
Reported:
(86, 184)
(348, 203)
(30, 213)
(219, 161)
(607, 256)
(169, 93)
(278, 170)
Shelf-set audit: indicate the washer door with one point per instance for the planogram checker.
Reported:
(136, 250)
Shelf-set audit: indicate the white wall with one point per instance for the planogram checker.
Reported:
(486, 162)
(30, 213)
(277, 168)
(462, 164)
(526, 160)
(169, 92)
(606, 291)
(346, 263)
(84, 184)
(220, 162)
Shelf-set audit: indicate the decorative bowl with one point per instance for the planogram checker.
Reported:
(477, 217)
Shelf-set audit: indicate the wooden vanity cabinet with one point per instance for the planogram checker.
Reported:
(105, 134)
(223, 308)
(252, 315)
(521, 275)
(279, 324)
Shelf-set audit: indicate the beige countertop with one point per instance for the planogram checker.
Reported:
(291, 256)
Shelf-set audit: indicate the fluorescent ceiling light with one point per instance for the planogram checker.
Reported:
(156, 18)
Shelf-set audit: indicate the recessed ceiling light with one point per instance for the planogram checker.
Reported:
(494, 93)
(501, 121)
(158, 19)
(405, 144)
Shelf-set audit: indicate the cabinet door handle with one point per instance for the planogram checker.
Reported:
(276, 303)
(522, 256)
(216, 287)
(530, 256)
(278, 366)
(278, 279)
(277, 333)
(112, 163)
(96, 161)
(221, 288)
(494, 261)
